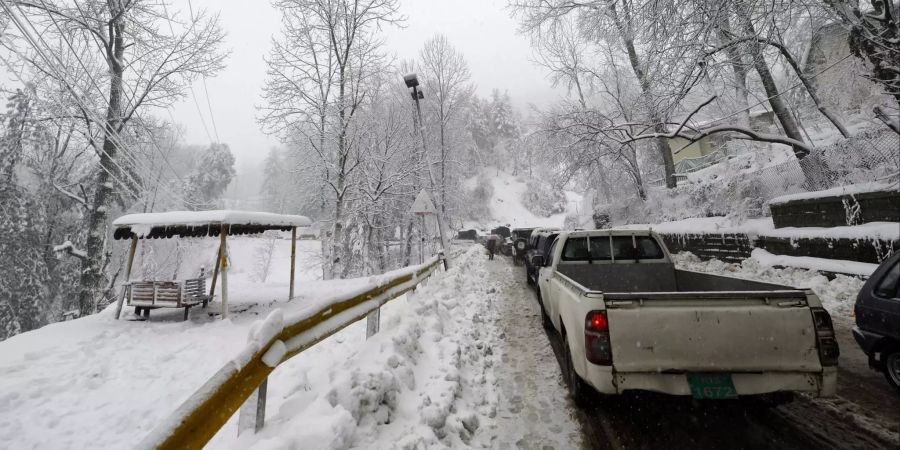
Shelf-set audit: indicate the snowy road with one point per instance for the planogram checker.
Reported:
(862, 416)
(533, 410)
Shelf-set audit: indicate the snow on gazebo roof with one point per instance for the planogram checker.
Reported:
(203, 223)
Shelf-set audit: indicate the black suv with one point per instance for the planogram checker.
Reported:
(519, 238)
(540, 243)
(878, 319)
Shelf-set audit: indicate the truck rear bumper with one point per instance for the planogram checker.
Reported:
(822, 383)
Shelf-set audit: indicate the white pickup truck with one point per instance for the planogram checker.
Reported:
(629, 320)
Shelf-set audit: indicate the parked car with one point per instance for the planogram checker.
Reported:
(501, 231)
(629, 320)
(877, 313)
(506, 247)
(540, 241)
(520, 238)
(468, 235)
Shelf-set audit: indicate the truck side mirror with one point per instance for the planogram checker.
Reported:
(537, 260)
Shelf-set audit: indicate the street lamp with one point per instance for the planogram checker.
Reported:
(412, 82)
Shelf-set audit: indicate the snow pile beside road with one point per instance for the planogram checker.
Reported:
(818, 264)
(837, 295)
(424, 380)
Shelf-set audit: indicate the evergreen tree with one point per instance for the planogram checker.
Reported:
(212, 173)
(274, 189)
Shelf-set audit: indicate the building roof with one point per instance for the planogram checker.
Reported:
(202, 223)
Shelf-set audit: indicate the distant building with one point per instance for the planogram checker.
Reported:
(711, 148)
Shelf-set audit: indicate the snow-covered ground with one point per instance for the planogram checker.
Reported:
(96, 382)
(506, 206)
(440, 373)
(534, 411)
(460, 363)
(838, 295)
(810, 263)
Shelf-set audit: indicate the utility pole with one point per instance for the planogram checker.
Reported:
(413, 82)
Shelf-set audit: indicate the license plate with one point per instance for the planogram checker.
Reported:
(711, 386)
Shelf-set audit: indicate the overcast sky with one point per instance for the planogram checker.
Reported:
(481, 29)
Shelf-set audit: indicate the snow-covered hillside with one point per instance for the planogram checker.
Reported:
(506, 208)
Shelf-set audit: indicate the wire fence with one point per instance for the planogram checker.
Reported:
(870, 156)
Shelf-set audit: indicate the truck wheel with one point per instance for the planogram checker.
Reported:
(577, 387)
(891, 367)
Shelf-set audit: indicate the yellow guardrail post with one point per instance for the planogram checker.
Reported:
(201, 416)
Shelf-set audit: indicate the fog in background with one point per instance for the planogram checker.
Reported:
(482, 30)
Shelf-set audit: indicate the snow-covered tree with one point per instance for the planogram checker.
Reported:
(123, 57)
(446, 77)
(212, 173)
(276, 183)
(320, 74)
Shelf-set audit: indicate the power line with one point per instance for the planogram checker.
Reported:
(791, 88)
(126, 151)
(212, 118)
(53, 119)
(84, 108)
(96, 86)
(113, 135)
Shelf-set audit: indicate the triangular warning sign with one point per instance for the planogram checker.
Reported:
(423, 204)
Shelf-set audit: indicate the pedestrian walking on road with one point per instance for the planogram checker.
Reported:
(492, 245)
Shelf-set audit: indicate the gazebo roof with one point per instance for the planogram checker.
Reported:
(202, 223)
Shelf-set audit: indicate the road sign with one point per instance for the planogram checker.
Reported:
(423, 204)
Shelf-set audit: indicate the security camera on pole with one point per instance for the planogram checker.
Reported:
(412, 82)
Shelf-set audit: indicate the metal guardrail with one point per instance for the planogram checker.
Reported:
(272, 342)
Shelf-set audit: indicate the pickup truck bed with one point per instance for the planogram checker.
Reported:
(656, 277)
(642, 324)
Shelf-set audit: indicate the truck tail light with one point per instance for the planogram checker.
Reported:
(827, 343)
(597, 346)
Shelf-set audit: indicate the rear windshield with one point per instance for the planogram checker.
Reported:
(604, 248)
(522, 234)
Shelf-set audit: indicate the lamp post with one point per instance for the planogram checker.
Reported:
(412, 82)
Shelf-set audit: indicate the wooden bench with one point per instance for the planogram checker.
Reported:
(147, 295)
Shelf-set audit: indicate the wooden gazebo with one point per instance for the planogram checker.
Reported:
(145, 295)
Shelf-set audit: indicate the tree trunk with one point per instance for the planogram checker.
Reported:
(635, 171)
(790, 127)
(811, 89)
(443, 167)
(337, 235)
(98, 216)
(723, 28)
(662, 144)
